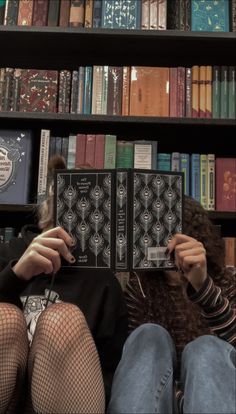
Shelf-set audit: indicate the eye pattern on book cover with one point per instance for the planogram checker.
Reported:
(84, 211)
(157, 216)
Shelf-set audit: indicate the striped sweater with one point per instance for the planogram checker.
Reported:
(216, 309)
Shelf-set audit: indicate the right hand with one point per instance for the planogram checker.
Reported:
(43, 254)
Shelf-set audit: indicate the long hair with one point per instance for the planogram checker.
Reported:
(45, 210)
(169, 305)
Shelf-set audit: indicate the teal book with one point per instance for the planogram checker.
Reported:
(210, 15)
(15, 166)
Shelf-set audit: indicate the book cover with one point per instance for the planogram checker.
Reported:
(15, 166)
(83, 206)
(40, 13)
(210, 16)
(38, 92)
(119, 219)
(11, 12)
(25, 13)
(226, 184)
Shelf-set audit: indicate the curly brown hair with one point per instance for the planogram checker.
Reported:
(169, 305)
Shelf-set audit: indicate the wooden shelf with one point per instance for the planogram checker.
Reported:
(23, 46)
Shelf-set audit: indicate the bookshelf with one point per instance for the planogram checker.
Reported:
(60, 48)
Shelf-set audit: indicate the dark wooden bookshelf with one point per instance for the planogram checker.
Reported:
(67, 48)
(60, 48)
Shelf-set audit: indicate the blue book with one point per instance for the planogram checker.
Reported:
(195, 177)
(185, 168)
(15, 166)
(210, 16)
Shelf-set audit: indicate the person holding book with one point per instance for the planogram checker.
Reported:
(180, 355)
(76, 323)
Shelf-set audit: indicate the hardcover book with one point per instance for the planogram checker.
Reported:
(210, 16)
(226, 184)
(119, 219)
(15, 166)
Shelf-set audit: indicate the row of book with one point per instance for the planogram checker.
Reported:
(196, 15)
(210, 180)
(198, 91)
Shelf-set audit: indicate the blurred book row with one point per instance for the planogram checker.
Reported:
(209, 179)
(195, 15)
(197, 91)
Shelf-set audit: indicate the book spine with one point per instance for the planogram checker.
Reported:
(145, 22)
(40, 13)
(224, 93)
(90, 150)
(53, 13)
(64, 91)
(88, 17)
(216, 91)
(211, 182)
(25, 13)
(99, 151)
(125, 90)
(43, 165)
(74, 92)
(185, 168)
(11, 12)
(77, 13)
(71, 152)
(80, 102)
(232, 92)
(114, 97)
(80, 150)
(195, 91)
(110, 151)
(188, 92)
(64, 13)
(203, 178)
(175, 161)
(87, 102)
(208, 91)
(153, 14)
(97, 13)
(173, 91)
(162, 15)
(195, 177)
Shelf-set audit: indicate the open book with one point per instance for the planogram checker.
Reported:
(120, 219)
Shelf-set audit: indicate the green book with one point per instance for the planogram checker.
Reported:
(110, 151)
(232, 92)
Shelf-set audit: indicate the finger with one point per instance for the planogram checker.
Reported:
(189, 246)
(48, 253)
(194, 251)
(177, 239)
(45, 265)
(59, 232)
(55, 244)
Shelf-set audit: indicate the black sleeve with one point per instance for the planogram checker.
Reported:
(10, 286)
(111, 332)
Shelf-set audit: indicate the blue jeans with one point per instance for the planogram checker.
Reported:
(143, 382)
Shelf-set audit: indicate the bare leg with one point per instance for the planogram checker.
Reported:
(64, 366)
(13, 356)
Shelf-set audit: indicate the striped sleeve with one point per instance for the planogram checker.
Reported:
(216, 309)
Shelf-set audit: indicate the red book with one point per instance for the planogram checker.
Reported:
(40, 13)
(80, 150)
(25, 13)
(90, 151)
(38, 91)
(226, 184)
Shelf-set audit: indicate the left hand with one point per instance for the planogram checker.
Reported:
(190, 258)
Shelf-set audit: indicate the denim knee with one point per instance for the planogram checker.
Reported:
(150, 334)
(206, 348)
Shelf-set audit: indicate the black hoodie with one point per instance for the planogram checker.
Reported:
(98, 294)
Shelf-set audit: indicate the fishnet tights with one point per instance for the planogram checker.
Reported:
(64, 368)
(13, 356)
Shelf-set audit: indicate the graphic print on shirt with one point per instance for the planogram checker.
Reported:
(33, 306)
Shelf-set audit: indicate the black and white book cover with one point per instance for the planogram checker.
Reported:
(119, 219)
(84, 207)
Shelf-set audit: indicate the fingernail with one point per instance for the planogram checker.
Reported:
(71, 259)
(72, 243)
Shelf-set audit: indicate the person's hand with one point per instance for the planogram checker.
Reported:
(190, 258)
(43, 254)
